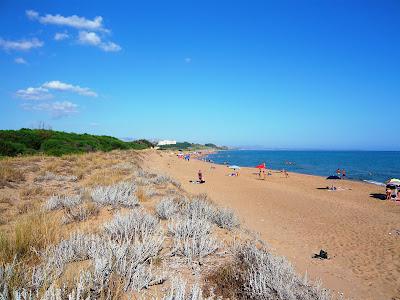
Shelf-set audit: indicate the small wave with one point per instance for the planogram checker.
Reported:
(374, 182)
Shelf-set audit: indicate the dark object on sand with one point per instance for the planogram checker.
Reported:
(321, 255)
(197, 181)
(333, 177)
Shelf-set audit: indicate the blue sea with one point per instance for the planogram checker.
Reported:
(371, 166)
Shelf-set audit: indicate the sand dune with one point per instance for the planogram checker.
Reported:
(298, 218)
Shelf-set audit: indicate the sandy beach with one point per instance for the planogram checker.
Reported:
(297, 217)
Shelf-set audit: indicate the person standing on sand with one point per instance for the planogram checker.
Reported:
(200, 175)
(338, 172)
(343, 173)
(388, 194)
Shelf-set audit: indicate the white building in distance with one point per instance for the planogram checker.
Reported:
(166, 142)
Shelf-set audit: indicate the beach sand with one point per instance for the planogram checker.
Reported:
(297, 218)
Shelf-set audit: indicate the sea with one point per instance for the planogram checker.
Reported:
(374, 167)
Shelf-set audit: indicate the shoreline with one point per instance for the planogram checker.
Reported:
(366, 181)
(297, 217)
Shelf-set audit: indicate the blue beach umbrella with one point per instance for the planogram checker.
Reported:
(234, 167)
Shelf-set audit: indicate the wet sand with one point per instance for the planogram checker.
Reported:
(297, 217)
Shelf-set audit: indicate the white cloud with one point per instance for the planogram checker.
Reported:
(91, 32)
(43, 92)
(21, 44)
(56, 109)
(110, 47)
(93, 39)
(61, 86)
(20, 61)
(59, 36)
(32, 93)
(32, 14)
(72, 21)
(89, 38)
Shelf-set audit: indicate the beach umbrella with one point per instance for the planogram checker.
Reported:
(394, 181)
(262, 166)
(333, 177)
(234, 167)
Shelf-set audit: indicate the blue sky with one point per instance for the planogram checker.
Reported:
(278, 74)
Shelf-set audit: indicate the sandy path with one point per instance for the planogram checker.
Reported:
(297, 219)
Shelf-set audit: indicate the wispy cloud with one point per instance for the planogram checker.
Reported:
(89, 38)
(72, 21)
(59, 36)
(93, 39)
(91, 32)
(32, 93)
(23, 45)
(110, 47)
(62, 86)
(55, 109)
(20, 61)
(43, 92)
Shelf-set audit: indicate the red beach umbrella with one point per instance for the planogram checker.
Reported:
(262, 166)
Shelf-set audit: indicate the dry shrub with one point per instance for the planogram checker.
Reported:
(32, 168)
(25, 207)
(81, 212)
(3, 220)
(6, 200)
(31, 233)
(29, 192)
(9, 174)
(257, 274)
(224, 282)
(54, 166)
(80, 172)
(105, 177)
(141, 195)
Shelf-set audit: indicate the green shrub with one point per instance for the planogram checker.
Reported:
(57, 143)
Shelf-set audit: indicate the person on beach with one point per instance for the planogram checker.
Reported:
(343, 173)
(259, 173)
(388, 194)
(200, 175)
(338, 172)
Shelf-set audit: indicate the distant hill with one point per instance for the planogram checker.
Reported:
(57, 143)
(191, 146)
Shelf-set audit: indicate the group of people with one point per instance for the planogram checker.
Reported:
(392, 192)
(262, 171)
(341, 173)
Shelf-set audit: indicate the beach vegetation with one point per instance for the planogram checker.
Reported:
(10, 174)
(103, 238)
(32, 141)
(167, 208)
